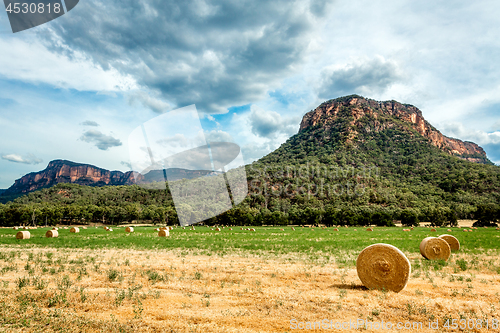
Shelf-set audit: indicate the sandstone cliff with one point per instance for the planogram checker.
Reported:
(359, 107)
(61, 171)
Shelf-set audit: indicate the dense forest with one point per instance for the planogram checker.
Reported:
(372, 171)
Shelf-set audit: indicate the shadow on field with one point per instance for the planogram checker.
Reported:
(348, 286)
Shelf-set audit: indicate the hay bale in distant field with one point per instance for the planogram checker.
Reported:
(252, 229)
(84, 228)
(25, 228)
(433, 230)
(163, 233)
(171, 228)
(293, 229)
(231, 229)
(465, 230)
(217, 229)
(452, 242)
(434, 248)
(75, 230)
(129, 229)
(23, 235)
(369, 229)
(383, 266)
(52, 234)
(449, 230)
(335, 229)
(110, 229)
(157, 229)
(55, 228)
(15, 228)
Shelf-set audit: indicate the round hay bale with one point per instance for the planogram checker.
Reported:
(217, 229)
(110, 229)
(171, 228)
(252, 229)
(434, 248)
(383, 266)
(164, 233)
(335, 229)
(52, 234)
(452, 242)
(55, 228)
(157, 229)
(449, 230)
(15, 228)
(129, 229)
(433, 230)
(465, 230)
(23, 235)
(75, 230)
(293, 229)
(369, 229)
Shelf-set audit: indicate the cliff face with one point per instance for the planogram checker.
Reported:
(359, 107)
(61, 171)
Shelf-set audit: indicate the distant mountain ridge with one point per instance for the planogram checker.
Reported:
(63, 171)
(359, 107)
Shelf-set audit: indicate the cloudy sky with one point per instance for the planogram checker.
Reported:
(76, 87)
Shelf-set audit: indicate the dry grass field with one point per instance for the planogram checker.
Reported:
(120, 290)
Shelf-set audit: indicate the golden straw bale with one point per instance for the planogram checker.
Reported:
(434, 248)
(433, 230)
(369, 229)
(384, 267)
(164, 233)
(23, 235)
(75, 230)
(452, 242)
(129, 229)
(52, 234)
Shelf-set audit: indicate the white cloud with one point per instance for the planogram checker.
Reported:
(458, 130)
(27, 159)
(30, 61)
(151, 102)
(101, 141)
(270, 124)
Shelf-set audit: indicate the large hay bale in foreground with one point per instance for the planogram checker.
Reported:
(163, 233)
(383, 266)
(434, 248)
(52, 234)
(23, 235)
(452, 242)
(75, 230)
(129, 229)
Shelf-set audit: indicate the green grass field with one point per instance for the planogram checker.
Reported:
(265, 239)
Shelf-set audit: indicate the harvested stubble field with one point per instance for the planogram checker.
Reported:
(236, 281)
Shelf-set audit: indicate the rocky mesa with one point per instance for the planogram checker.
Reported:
(359, 107)
(61, 171)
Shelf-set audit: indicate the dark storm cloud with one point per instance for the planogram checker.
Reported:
(101, 141)
(214, 54)
(373, 76)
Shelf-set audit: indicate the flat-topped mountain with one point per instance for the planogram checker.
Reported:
(62, 171)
